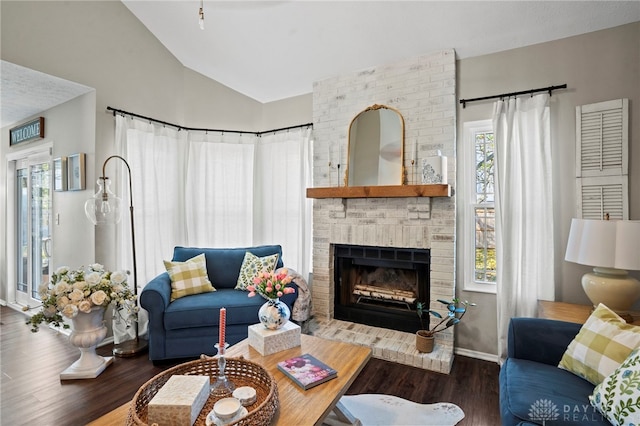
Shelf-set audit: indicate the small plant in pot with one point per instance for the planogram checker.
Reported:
(425, 337)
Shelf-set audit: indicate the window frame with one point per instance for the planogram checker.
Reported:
(468, 204)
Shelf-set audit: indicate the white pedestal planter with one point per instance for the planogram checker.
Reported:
(88, 331)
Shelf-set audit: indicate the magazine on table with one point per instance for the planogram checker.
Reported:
(307, 371)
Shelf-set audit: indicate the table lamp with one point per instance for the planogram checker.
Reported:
(612, 247)
(105, 208)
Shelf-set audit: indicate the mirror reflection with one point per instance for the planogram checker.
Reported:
(376, 141)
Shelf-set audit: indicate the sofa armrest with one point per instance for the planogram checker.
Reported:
(540, 340)
(156, 295)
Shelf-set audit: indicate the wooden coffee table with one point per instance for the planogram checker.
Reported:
(297, 406)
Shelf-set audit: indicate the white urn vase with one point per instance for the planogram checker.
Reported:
(88, 331)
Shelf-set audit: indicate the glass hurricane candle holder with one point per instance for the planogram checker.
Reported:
(222, 386)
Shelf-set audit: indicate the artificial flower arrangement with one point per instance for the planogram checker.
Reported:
(271, 285)
(73, 291)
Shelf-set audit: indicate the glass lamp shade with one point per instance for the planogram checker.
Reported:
(104, 207)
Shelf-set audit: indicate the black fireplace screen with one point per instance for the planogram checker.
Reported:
(380, 286)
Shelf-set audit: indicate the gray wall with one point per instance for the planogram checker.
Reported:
(596, 67)
(70, 128)
(102, 45)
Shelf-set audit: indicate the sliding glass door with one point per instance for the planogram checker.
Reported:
(33, 227)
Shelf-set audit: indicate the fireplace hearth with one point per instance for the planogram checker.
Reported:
(380, 286)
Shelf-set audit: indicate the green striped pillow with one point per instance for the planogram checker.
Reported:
(188, 277)
(603, 343)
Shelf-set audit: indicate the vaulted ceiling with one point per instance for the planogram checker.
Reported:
(271, 50)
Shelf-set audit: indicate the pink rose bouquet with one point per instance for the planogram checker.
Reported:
(271, 285)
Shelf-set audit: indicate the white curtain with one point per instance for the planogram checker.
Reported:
(220, 189)
(156, 156)
(524, 209)
(210, 190)
(283, 173)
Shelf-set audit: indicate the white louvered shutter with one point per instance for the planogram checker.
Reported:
(602, 159)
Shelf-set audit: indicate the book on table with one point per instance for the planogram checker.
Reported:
(307, 371)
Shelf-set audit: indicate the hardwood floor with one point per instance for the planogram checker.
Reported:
(472, 385)
(32, 393)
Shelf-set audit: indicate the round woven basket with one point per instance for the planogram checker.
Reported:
(238, 370)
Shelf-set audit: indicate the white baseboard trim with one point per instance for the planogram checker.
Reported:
(17, 307)
(3, 302)
(478, 355)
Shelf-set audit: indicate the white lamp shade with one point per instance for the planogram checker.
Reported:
(605, 243)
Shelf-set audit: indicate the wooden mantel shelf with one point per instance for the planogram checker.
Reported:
(392, 191)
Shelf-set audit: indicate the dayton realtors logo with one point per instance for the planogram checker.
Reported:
(544, 410)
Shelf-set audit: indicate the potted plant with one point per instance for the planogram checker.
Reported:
(425, 337)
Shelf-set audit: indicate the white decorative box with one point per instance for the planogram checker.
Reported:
(434, 169)
(179, 401)
(268, 342)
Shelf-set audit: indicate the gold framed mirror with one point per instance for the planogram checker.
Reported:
(376, 147)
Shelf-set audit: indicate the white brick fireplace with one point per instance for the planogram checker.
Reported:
(423, 90)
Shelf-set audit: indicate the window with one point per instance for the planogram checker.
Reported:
(478, 219)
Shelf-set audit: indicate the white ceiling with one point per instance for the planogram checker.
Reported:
(25, 92)
(271, 50)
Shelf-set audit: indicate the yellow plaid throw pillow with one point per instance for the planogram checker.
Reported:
(188, 277)
(603, 343)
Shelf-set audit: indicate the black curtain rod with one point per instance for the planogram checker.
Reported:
(165, 123)
(506, 95)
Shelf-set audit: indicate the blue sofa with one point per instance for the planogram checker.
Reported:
(188, 326)
(530, 376)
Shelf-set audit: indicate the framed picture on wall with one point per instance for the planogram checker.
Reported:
(60, 174)
(76, 173)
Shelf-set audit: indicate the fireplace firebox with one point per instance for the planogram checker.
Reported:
(380, 286)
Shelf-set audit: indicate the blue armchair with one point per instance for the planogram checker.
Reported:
(533, 390)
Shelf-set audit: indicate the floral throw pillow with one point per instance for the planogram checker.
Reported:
(253, 264)
(618, 396)
(188, 277)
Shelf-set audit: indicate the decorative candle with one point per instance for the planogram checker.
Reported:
(223, 324)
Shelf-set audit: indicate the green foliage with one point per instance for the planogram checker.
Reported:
(486, 264)
(456, 309)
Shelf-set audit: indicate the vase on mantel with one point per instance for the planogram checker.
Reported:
(274, 314)
(88, 330)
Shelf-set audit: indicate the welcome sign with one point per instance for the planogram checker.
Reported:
(30, 131)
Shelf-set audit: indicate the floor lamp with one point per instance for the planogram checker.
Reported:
(105, 208)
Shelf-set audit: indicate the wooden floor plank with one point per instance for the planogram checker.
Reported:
(32, 393)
